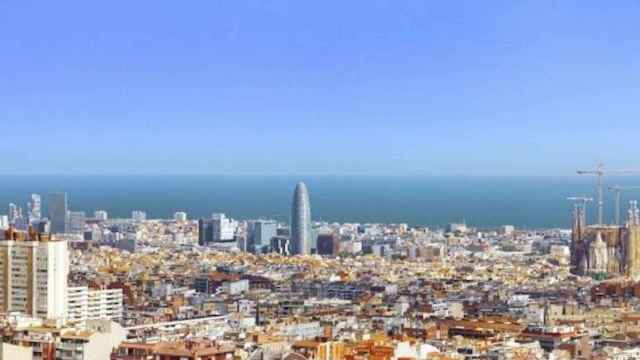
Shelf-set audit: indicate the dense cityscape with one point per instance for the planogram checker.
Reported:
(91, 287)
(319, 180)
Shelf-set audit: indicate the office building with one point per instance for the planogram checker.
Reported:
(33, 274)
(100, 215)
(260, 233)
(281, 245)
(4, 222)
(34, 207)
(138, 215)
(180, 216)
(76, 222)
(300, 221)
(328, 244)
(217, 229)
(15, 213)
(58, 208)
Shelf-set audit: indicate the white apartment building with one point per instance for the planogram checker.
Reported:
(223, 228)
(33, 275)
(89, 304)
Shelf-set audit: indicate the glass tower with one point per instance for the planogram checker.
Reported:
(58, 213)
(300, 221)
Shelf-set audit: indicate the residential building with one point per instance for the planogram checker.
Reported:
(33, 274)
(94, 304)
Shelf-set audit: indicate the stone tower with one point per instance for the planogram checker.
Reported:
(633, 240)
(577, 233)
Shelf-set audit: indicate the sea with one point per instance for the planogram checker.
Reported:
(434, 201)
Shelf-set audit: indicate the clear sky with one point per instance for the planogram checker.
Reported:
(318, 87)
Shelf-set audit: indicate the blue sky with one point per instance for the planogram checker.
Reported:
(324, 87)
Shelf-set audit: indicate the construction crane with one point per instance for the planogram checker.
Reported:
(617, 190)
(584, 200)
(599, 172)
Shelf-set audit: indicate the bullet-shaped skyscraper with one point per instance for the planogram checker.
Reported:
(300, 221)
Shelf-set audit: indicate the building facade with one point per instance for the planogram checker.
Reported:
(260, 233)
(603, 250)
(328, 244)
(35, 207)
(33, 275)
(58, 208)
(94, 304)
(300, 221)
(219, 228)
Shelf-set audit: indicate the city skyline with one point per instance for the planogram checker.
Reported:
(360, 88)
(472, 168)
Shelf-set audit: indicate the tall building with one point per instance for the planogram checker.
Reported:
(4, 222)
(35, 207)
(100, 215)
(76, 222)
(260, 233)
(300, 221)
(15, 213)
(58, 208)
(219, 228)
(138, 215)
(180, 216)
(33, 274)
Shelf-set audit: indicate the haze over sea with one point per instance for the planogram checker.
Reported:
(485, 201)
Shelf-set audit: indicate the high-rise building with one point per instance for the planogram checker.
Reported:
(100, 215)
(4, 222)
(35, 207)
(77, 220)
(33, 274)
(180, 216)
(58, 208)
(300, 221)
(138, 215)
(217, 229)
(15, 213)
(260, 233)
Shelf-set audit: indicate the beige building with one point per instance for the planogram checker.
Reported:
(15, 352)
(33, 275)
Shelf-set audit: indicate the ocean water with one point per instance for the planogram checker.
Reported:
(531, 202)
